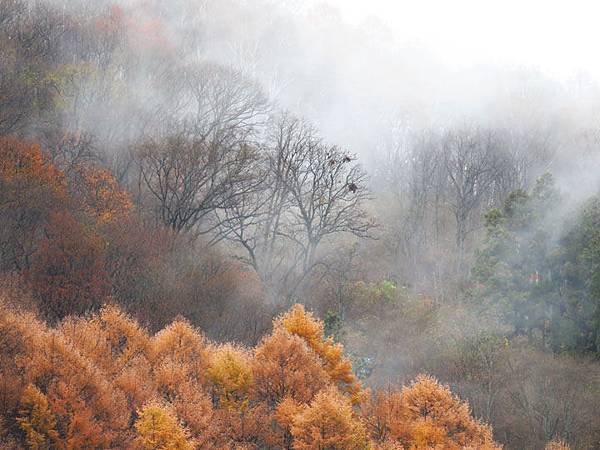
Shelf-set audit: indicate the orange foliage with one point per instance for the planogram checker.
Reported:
(425, 415)
(329, 422)
(285, 367)
(88, 411)
(179, 354)
(30, 187)
(117, 345)
(557, 444)
(339, 368)
(36, 419)
(100, 196)
(102, 381)
(24, 169)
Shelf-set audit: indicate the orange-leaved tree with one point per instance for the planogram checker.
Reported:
(338, 367)
(425, 415)
(98, 194)
(30, 188)
(37, 420)
(557, 444)
(101, 381)
(329, 422)
(284, 366)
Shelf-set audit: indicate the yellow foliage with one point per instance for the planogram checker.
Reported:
(36, 419)
(231, 375)
(158, 429)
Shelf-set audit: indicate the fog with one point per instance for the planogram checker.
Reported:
(424, 176)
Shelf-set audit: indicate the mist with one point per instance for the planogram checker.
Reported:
(424, 178)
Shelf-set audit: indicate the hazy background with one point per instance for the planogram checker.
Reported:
(362, 69)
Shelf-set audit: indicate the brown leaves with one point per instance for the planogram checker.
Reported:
(100, 196)
(30, 188)
(25, 168)
(68, 272)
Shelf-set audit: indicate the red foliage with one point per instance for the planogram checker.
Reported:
(68, 272)
(30, 187)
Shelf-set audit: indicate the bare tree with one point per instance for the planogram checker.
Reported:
(471, 161)
(188, 180)
(204, 161)
(310, 192)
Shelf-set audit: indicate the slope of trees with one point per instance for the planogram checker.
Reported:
(101, 381)
(141, 168)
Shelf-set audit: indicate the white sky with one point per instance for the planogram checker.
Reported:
(561, 38)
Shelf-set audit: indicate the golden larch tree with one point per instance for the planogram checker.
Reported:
(329, 422)
(159, 429)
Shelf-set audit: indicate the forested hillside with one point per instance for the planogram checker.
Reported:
(103, 382)
(215, 233)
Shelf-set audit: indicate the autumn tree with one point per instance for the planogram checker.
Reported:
(100, 381)
(329, 422)
(284, 366)
(231, 376)
(180, 358)
(426, 414)
(99, 195)
(557, 444)
(19, 334)
(68, 272)
(159, 429)
(382, 414)
(301, 323)
(117, 345)
(287, 375)
(36, 419)
(30, 188)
